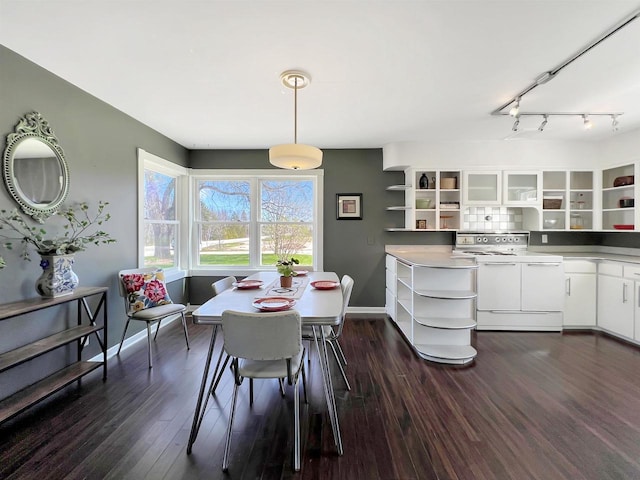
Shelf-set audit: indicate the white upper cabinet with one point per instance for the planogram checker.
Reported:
(521, 188)
(482, 188)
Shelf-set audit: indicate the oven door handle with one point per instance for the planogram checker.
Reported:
(544, 264)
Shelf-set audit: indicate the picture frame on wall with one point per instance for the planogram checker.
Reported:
(349, 206)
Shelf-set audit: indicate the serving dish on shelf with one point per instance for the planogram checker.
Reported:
(624, 226)
(273, 304)
(623, 181)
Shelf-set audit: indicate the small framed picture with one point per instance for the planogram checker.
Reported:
(421, 224)
(349, 206)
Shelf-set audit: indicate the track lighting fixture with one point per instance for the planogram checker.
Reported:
(516, 108)
(587, 123)
(515, 124)
(614, 123)
(545, 119)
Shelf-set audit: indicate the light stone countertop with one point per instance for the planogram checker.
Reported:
(436, 256)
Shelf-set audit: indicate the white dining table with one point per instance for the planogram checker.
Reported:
(317, 308)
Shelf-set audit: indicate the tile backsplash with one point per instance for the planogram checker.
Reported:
(489, 219)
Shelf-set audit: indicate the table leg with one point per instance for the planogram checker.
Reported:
(197, 417)
(323, 356)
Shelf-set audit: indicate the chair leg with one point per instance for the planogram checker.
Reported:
(335, 354)
(157, 330)
(337, 344)
(304, 382)
(251, 392)
(123, 334)
(225, 460)
(296, 427)
(218, 373)
(184, 326)
(281, 382)
(149, 343)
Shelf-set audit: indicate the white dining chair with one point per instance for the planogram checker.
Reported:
(223, 284)
(265, 345)
(332, 334)
(218, 287)
(131, 285)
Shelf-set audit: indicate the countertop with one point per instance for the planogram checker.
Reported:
(440, 255)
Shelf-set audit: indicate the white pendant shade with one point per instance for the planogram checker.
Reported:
(295, 156)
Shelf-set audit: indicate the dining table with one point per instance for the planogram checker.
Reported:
(318, 308)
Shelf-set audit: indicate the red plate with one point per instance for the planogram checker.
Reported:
(274, 304)
(246, 284)
(301, 273)
(624, 227)
(325, 284)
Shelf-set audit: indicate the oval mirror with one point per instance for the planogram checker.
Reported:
(35, 170)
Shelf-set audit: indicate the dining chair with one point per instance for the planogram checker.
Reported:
(218, 287)
(332, 334)
(265, 345)
(146, 299)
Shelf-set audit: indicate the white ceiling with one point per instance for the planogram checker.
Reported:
(206, 73)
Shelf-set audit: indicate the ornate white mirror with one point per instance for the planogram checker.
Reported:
(35, 170)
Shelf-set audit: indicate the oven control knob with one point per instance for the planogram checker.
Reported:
(517, 239)
(510, 239)
(498, 240)
(479, 239)
(485, 240)
(504, 239)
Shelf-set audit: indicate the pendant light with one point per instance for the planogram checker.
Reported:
(295, 156)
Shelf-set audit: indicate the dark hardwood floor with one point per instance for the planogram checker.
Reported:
(533, 406)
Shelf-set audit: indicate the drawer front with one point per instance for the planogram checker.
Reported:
(390, 262)
(551, 321)
(632, 272)
(608, 268)
(579, 266)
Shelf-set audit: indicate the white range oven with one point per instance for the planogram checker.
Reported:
(517, 289)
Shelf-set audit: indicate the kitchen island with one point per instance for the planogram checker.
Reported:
(431, 298)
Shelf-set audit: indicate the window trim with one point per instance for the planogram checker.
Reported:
(316, 175)
(149, 161)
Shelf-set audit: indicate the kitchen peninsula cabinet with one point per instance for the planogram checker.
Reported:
(78, 334)
(435, 306)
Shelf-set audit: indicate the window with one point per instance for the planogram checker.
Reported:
(249, 219)
(160, 187)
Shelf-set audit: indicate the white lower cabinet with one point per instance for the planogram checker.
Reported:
(580, 294)
(514, 294)
(390, 292)
(435, 309)
(616, 299)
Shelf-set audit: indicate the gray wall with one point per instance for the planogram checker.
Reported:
(100, 146)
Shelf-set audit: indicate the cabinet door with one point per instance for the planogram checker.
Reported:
(521, 188)
(498, 286)
(615, 305)
(542, 287)
(580, 300)
(482, 188)
(636, 334)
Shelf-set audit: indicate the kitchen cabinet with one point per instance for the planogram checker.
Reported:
(521, 188)
(615, 216)
(435, 308)
(567, 200)
(515, 294)
(580, 294)
(482, 188)
(391, 287)
(78, 335)
(436, 207)
(616, 299)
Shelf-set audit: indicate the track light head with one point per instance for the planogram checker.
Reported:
(545, 119)
(588, 125)
(614, 123)
(516, 108)
(515, 124)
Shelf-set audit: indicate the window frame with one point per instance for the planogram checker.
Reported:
(149, 161)
(254, 176)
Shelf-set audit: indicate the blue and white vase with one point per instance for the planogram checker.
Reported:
(57, 277)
